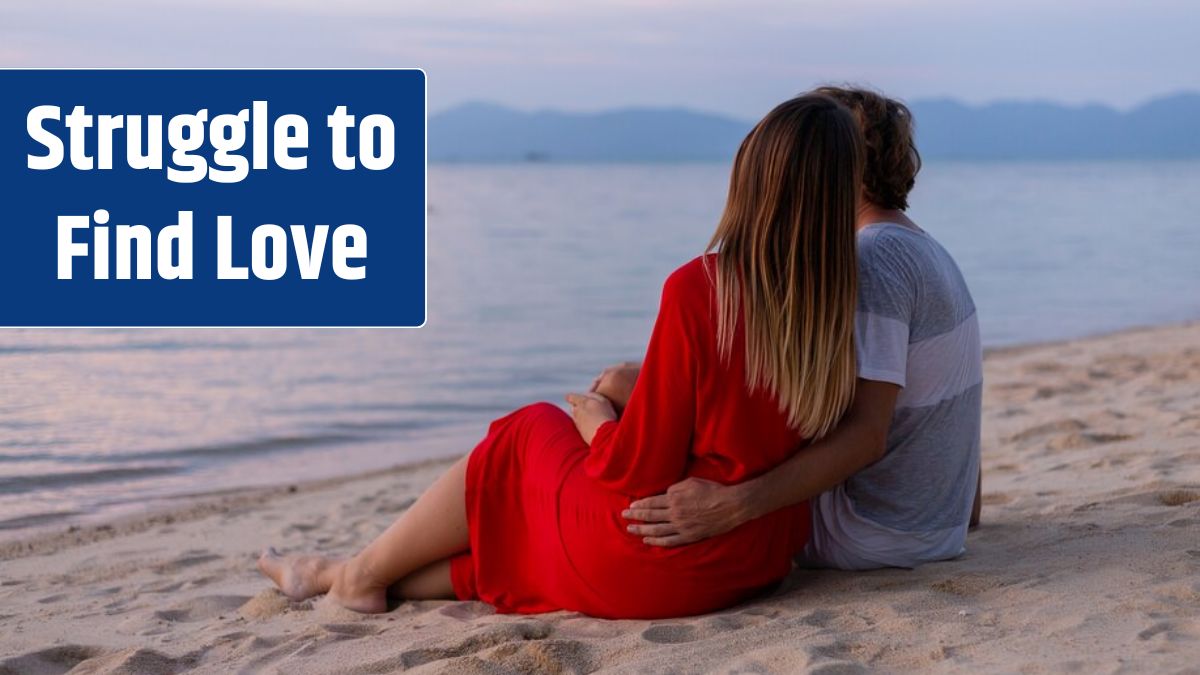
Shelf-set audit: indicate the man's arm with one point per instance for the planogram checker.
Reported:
(696, 509)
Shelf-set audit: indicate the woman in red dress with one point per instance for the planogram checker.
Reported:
(751, 354)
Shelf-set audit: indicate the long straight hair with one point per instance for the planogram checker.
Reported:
(786, 259)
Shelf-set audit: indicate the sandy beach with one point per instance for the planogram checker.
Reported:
(1088, 560)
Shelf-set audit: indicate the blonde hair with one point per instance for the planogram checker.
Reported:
(786, 259)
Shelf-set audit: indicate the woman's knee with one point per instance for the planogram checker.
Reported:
(542, 409)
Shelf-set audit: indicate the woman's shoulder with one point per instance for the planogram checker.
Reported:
(690, 291)
(695, 278)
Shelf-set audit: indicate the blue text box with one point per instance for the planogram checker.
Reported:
(387, 204)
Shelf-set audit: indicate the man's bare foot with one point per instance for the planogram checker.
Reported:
(299, 577)
(303, 576)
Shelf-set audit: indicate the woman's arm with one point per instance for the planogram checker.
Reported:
(649, 448)
(590, 411)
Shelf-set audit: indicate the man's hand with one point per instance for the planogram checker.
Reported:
(691, 510)
(590, 411)
(616, 383)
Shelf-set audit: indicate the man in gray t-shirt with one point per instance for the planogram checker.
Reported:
(916, 328)
(897, 482)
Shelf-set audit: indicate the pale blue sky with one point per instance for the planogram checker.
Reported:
(731, 57)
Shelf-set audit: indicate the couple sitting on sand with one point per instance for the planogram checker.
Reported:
(810, 394)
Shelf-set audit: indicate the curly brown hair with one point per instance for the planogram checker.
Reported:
(888, 130)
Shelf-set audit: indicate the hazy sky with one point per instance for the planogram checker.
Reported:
(736, 57)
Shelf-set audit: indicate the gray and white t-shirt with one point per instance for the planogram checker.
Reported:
(916, 327)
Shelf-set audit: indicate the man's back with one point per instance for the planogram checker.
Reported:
(916, 327)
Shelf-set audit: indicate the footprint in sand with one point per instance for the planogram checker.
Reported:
(1042, 430)
(105, 592)
(820, 618)
(1044, 367)
(1079, 441)
(840, 668)
(1016, 411)
(1042, 393)
(52, 661)
(165, 586)
(586, 627)
(966, 585)
(394, 507)
(301, 528)
(839, 651)
(1172, 631)
(352, 630)
(1184, 595)
(199, 609)
(201, 582)
(484, 638)
(726, 623)
(1068, 434)
(188, 559)
(467, 611)
(670, 633)
(1178, 497)
(1187, 425)
(138, 660)
(560, 656)
(242, 645)
(1112, 461)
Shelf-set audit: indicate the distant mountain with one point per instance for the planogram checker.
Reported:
(486, 132)
(1167, 128)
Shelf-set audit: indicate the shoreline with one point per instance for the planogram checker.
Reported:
(1022, 347)
(49, 539)
(77, 528)
(1087, 560)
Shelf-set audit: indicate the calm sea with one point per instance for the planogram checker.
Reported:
(539, 275)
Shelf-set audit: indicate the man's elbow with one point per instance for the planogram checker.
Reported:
(876, 444)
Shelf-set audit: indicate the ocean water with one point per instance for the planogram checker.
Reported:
(539, 275)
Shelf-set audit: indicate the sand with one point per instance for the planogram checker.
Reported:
(1088, 560)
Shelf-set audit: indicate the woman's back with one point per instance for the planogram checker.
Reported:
(738, 433)
(691, 414)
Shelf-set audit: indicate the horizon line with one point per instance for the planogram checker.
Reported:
(924, 99)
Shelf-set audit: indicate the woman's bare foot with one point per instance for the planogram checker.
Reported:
(303, 576)
(355, 589)
(299, 577)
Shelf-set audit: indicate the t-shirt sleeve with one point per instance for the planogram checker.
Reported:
(886, 300)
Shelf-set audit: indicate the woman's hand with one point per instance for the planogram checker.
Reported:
(590, 411)
(616, 383)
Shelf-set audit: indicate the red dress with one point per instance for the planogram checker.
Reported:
(544, 509)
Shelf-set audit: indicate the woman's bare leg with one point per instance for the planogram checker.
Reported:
(430, 583)
(431, 530)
